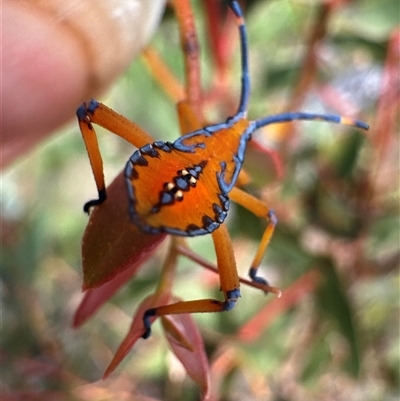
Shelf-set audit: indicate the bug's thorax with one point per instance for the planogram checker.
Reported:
(225, 142)
(183, 184)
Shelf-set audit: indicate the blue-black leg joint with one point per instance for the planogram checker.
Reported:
(81, 113)
(95, 202)
(92, 106)
(86, 108)
(231, 298)
(147, 323)
(255, 278)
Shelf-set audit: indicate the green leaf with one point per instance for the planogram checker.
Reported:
(335, 304)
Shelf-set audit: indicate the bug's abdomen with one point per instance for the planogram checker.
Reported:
(169, 193)
(174, 187)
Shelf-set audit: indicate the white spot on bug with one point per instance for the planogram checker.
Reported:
(179, 195)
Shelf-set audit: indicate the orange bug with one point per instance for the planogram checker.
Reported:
(184, 188)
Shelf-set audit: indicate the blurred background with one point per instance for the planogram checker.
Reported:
(334, 335)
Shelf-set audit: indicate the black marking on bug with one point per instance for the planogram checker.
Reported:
(183, 181)
(209, 224)
(165, 146)
(167, 198)
(193, 173)
(149, 151)
(215, 128)
(130, 173)
(224, 201)
(226, 187)
(187, 178)
(138, 159)
(220, 214)
(134, 175)
(192, 230)
(237, 159)
(181, 146)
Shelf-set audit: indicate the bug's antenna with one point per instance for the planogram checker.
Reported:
(245, 88)
(286, 117)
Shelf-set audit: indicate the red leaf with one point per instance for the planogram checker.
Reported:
(136, 330)
(111, 242)
(187, 344)
(94, 299)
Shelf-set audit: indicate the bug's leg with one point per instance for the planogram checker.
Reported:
(190, 111)
(96, 161)
(94, 112)
(191, 54)
(189, 97)
(260, 209)
(184, 250)
(243, 178)
(163, 74)
(188, 120)
(229, 285)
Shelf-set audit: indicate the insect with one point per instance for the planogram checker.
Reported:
(184, 188)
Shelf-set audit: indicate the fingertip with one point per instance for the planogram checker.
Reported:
(56, 56)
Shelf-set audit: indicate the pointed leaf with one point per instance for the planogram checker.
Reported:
(136, 330)
(187, 344)
(94, 298)
(174, 331)
(111, 242)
